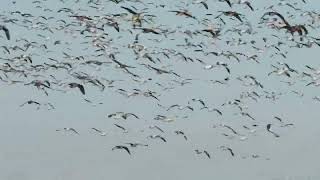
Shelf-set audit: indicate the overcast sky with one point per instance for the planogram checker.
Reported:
(31, 148)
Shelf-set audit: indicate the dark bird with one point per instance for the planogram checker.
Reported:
(158, 137)
(184, 13)
(248, 115)
(231, 14)
(181, 133)
(286, 125)
(199, 100)
(278, 118)
(213, 109)
(122, 147)
(149, 30)
(227, 149)
(126, 115)
(76, 85)
(301, 29)
(207, 154)
(101, 133)
(6, 31)
(129, 10)
(156, 127)
(123, 115)
(269, 130)
(230, 128)
(213, 32)
(30, 102)
(136, 144)
(121, 127)
(273, 13)
(180, 107)
(69, 129)
(203, 3)
(228, 2)
(249, 5)
(204, 151)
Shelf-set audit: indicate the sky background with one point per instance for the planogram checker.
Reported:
(31, 148)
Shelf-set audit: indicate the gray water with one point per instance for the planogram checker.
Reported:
(31, 148)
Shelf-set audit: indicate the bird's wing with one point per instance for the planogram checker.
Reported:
(129, 10)
(6, 31)
(208, 155)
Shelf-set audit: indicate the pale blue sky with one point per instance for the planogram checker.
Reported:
(32, 149)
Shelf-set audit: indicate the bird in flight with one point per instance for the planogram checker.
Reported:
(76, 85)
(136, 144)
(121, 127)
(204, 151)
(182, 134)
(158, 137)
(122, 147)
(156, 127)
(227, 149)
(68, 129)
(228, 2)
(269, 130)
(122, 115)
(231, 14)
(6, 31)
(101, 133)
(30, 102)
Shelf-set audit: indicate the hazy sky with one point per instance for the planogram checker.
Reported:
(31, 148)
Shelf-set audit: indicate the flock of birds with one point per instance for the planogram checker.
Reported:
(144, 49)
